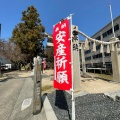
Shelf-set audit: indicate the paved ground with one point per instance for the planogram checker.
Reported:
(13, 92)
(9, 93)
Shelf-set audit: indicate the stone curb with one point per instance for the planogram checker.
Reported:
(50, 115)
(114, 95)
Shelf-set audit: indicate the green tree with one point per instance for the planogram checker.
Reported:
(29, 34)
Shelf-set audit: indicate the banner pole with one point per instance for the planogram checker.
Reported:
(72, 90)
(112, 19)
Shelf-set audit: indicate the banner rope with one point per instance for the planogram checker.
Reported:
(98, 41)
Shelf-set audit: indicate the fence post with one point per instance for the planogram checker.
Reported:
(37, 101)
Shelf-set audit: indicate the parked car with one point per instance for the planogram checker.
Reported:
(4, 67)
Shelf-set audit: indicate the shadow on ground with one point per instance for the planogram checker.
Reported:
(61, 98)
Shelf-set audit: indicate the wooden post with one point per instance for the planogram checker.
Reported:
(37, 101)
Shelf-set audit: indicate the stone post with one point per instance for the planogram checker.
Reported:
(115, 58)
(83, 59)
(76, 60)
(37, 100)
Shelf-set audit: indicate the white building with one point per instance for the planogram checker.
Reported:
(97, 59)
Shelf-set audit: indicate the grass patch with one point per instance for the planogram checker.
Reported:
(102, 76)
(1, 76)
(47, 87)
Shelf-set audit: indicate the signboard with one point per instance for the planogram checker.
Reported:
(62, 56)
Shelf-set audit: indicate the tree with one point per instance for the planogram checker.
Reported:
(13, 53)
(29, 34)
(49, 54)
(1, 51)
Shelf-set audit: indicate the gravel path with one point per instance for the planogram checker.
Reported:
(88, 107)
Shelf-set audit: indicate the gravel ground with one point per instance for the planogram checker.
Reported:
(88, 107)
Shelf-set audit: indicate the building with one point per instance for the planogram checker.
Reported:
(97, 59)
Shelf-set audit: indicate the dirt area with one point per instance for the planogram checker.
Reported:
(49, 72)
(18, 74)
(99, 86)
(89, 85)
(47, 82)
(24, 74)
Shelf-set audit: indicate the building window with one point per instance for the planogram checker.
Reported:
(87, 51)
(118, 37)
(97, 56)
(98, 38)
(109, 31)
(88, 58)
(94, 56)
(104, 34)
(116, 27)
(105, 46)
(107, 54)
(108, 65)
(97, 47)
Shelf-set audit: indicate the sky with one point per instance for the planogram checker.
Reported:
(89, 15)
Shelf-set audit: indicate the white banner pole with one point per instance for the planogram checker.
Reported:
(72, 90)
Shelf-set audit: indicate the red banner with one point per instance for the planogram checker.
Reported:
(62, 56)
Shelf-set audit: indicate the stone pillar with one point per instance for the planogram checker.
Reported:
(83, 59)
(115, 58)
(76, 60)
